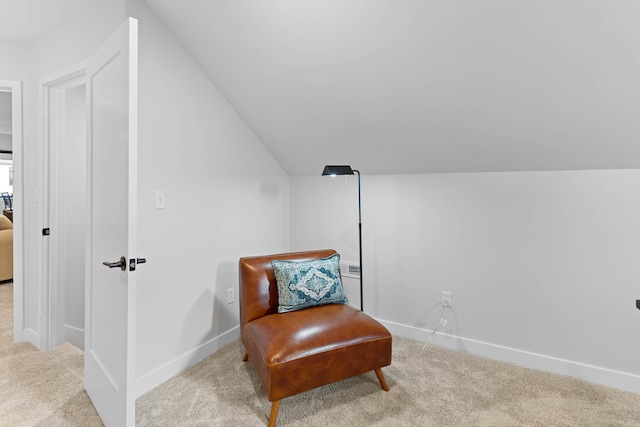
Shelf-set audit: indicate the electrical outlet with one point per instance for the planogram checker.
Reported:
(350, 269)
(446, 299)
(229, 295)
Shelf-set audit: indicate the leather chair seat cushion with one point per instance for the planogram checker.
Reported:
(300, 350)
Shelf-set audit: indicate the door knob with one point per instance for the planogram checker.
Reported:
(122, 264)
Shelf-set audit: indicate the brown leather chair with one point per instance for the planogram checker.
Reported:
(300, 350)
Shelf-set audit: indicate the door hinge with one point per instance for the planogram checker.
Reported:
(46, 231)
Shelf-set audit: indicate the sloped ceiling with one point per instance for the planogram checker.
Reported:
(412, 86)
(420, 86)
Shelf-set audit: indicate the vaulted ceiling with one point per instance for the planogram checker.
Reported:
(422, 86)
(419, 86)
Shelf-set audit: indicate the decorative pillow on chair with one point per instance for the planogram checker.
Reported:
(303, 284)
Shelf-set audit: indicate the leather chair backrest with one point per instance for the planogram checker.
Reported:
(258, 289)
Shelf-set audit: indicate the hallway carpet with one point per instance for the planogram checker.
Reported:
(436, 387)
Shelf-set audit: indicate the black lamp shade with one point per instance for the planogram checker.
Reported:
(337, 170)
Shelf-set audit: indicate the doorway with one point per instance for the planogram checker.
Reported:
(64, 205)
(72, 216)
(6, 154)
(15, 89)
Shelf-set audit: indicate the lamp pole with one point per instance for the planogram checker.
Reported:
(335, 170)
(360, 239)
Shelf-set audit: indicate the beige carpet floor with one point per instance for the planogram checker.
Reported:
(437, 387)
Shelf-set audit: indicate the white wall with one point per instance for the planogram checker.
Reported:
(226, 197)
(15, 60)
(5, 167)
(74, 214)
(543, 266)
(5, 141)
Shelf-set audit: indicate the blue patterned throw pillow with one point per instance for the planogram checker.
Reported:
(303, 284)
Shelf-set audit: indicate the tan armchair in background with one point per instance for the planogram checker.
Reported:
(6, 249)
(300, 350)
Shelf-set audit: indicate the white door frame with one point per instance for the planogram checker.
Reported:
(52, 101)
(15, 87)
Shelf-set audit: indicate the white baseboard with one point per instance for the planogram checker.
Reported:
(156, 377)
(32, 336)
(594, 374)
(74, 336)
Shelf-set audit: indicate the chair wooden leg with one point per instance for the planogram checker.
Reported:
(275, 406)
(245, 357)
(383, 382)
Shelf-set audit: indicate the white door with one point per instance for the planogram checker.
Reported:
(110, 316)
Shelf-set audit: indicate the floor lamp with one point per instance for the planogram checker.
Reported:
(346, 170)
